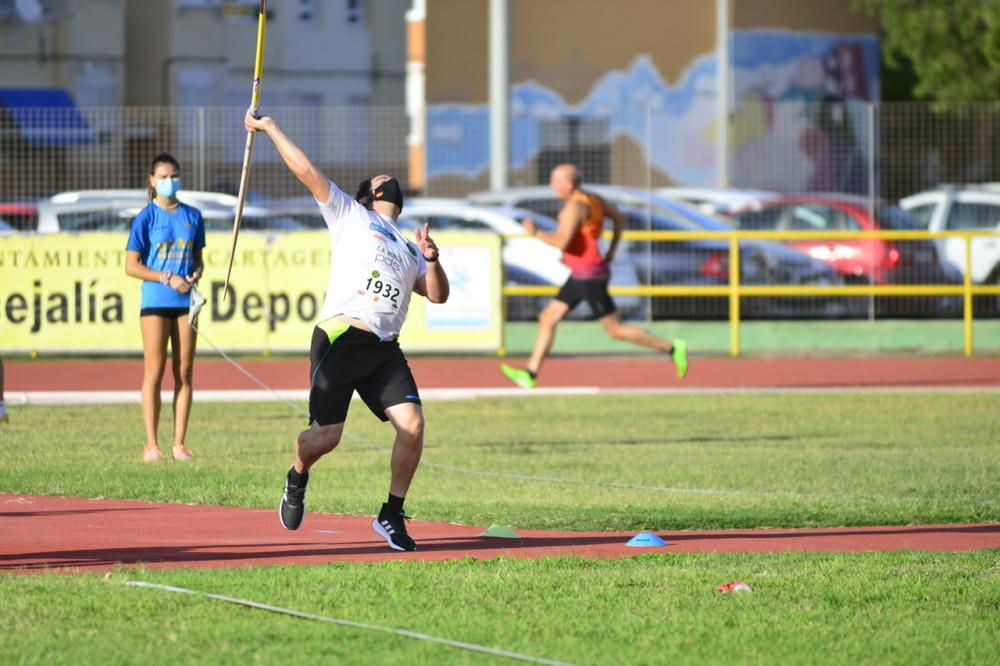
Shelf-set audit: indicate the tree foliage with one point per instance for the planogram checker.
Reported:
(953, 45)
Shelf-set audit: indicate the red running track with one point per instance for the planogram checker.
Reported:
(602, 372)
(39, 533)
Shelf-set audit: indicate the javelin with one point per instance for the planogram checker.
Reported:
(258, 68)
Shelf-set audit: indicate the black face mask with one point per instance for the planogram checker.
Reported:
(389, 191)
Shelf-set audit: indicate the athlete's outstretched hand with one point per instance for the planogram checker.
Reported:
(255, 123)
(529, 226)
(427, 246)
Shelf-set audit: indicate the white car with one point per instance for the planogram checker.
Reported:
(113, 210)
(958, 208)
(543, 199)
(526, 260)
(713, 200)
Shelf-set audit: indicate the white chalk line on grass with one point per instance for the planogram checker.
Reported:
(350, 623)
(672, 489)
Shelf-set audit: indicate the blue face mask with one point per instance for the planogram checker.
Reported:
(168, 187)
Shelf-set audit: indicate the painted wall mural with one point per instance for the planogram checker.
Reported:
(799, 118)
(788, 126)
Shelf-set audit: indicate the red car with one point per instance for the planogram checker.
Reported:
(859, 261)
(18, 216)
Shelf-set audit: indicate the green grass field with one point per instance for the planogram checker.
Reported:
(623, 462)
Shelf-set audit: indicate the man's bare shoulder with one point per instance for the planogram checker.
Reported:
(575, 207)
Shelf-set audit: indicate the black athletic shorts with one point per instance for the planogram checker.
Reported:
(346, 359)
(595, 292)
(169, 313)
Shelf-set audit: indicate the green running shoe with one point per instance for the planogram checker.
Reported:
(520, 377)
(680, 356)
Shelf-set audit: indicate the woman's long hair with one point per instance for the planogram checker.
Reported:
(162, 158)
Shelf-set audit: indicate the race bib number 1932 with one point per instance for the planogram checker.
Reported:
(383, 290)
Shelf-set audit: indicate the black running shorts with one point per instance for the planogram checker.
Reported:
(595, 292)
(346, 359)
(166, 313)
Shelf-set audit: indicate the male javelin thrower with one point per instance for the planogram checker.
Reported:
(354, 344)
(581, 223)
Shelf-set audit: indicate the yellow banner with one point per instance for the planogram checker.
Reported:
(67, 293)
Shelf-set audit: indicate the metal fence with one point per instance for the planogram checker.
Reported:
(868, 155)
(738, 297)
(47, 151)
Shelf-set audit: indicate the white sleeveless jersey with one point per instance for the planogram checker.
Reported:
(373, 268)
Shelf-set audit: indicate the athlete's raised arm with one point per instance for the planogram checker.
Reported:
(295, 159)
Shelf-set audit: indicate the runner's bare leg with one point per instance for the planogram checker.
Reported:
(548, 320)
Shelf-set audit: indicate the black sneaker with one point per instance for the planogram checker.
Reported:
(293, 503)
(392, 528)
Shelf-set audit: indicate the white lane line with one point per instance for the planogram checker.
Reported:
(251, 395)
(350, 623)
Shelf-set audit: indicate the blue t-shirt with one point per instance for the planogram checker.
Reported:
(166, 242)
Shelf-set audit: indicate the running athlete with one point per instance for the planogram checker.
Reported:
(581, 223)
(355, 347)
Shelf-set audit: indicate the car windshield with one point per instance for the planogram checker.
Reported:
(637, 218)
(894, 217)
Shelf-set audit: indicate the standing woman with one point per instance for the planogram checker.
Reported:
(164, 251)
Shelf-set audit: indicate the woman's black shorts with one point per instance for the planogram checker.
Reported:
(169, 313)
(346, 359)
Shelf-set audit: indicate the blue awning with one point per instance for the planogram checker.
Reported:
(46, 116)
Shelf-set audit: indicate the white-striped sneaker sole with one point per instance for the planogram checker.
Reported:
(381, 531)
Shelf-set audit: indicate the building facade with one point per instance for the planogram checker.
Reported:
(106, 53)
(631, 90)
(76, 47)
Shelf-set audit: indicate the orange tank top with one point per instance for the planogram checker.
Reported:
(583, 255)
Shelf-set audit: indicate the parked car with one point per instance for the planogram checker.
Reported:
(860, 261)
(18, 216)
(714, 200)
(974, 207)
(113, 210)
(704, 262)
(302, 210)
(526, 260)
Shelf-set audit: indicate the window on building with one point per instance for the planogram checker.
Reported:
(199, 4)
(196, 86)
(95, 85)
(306, 11)
(355, 12)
